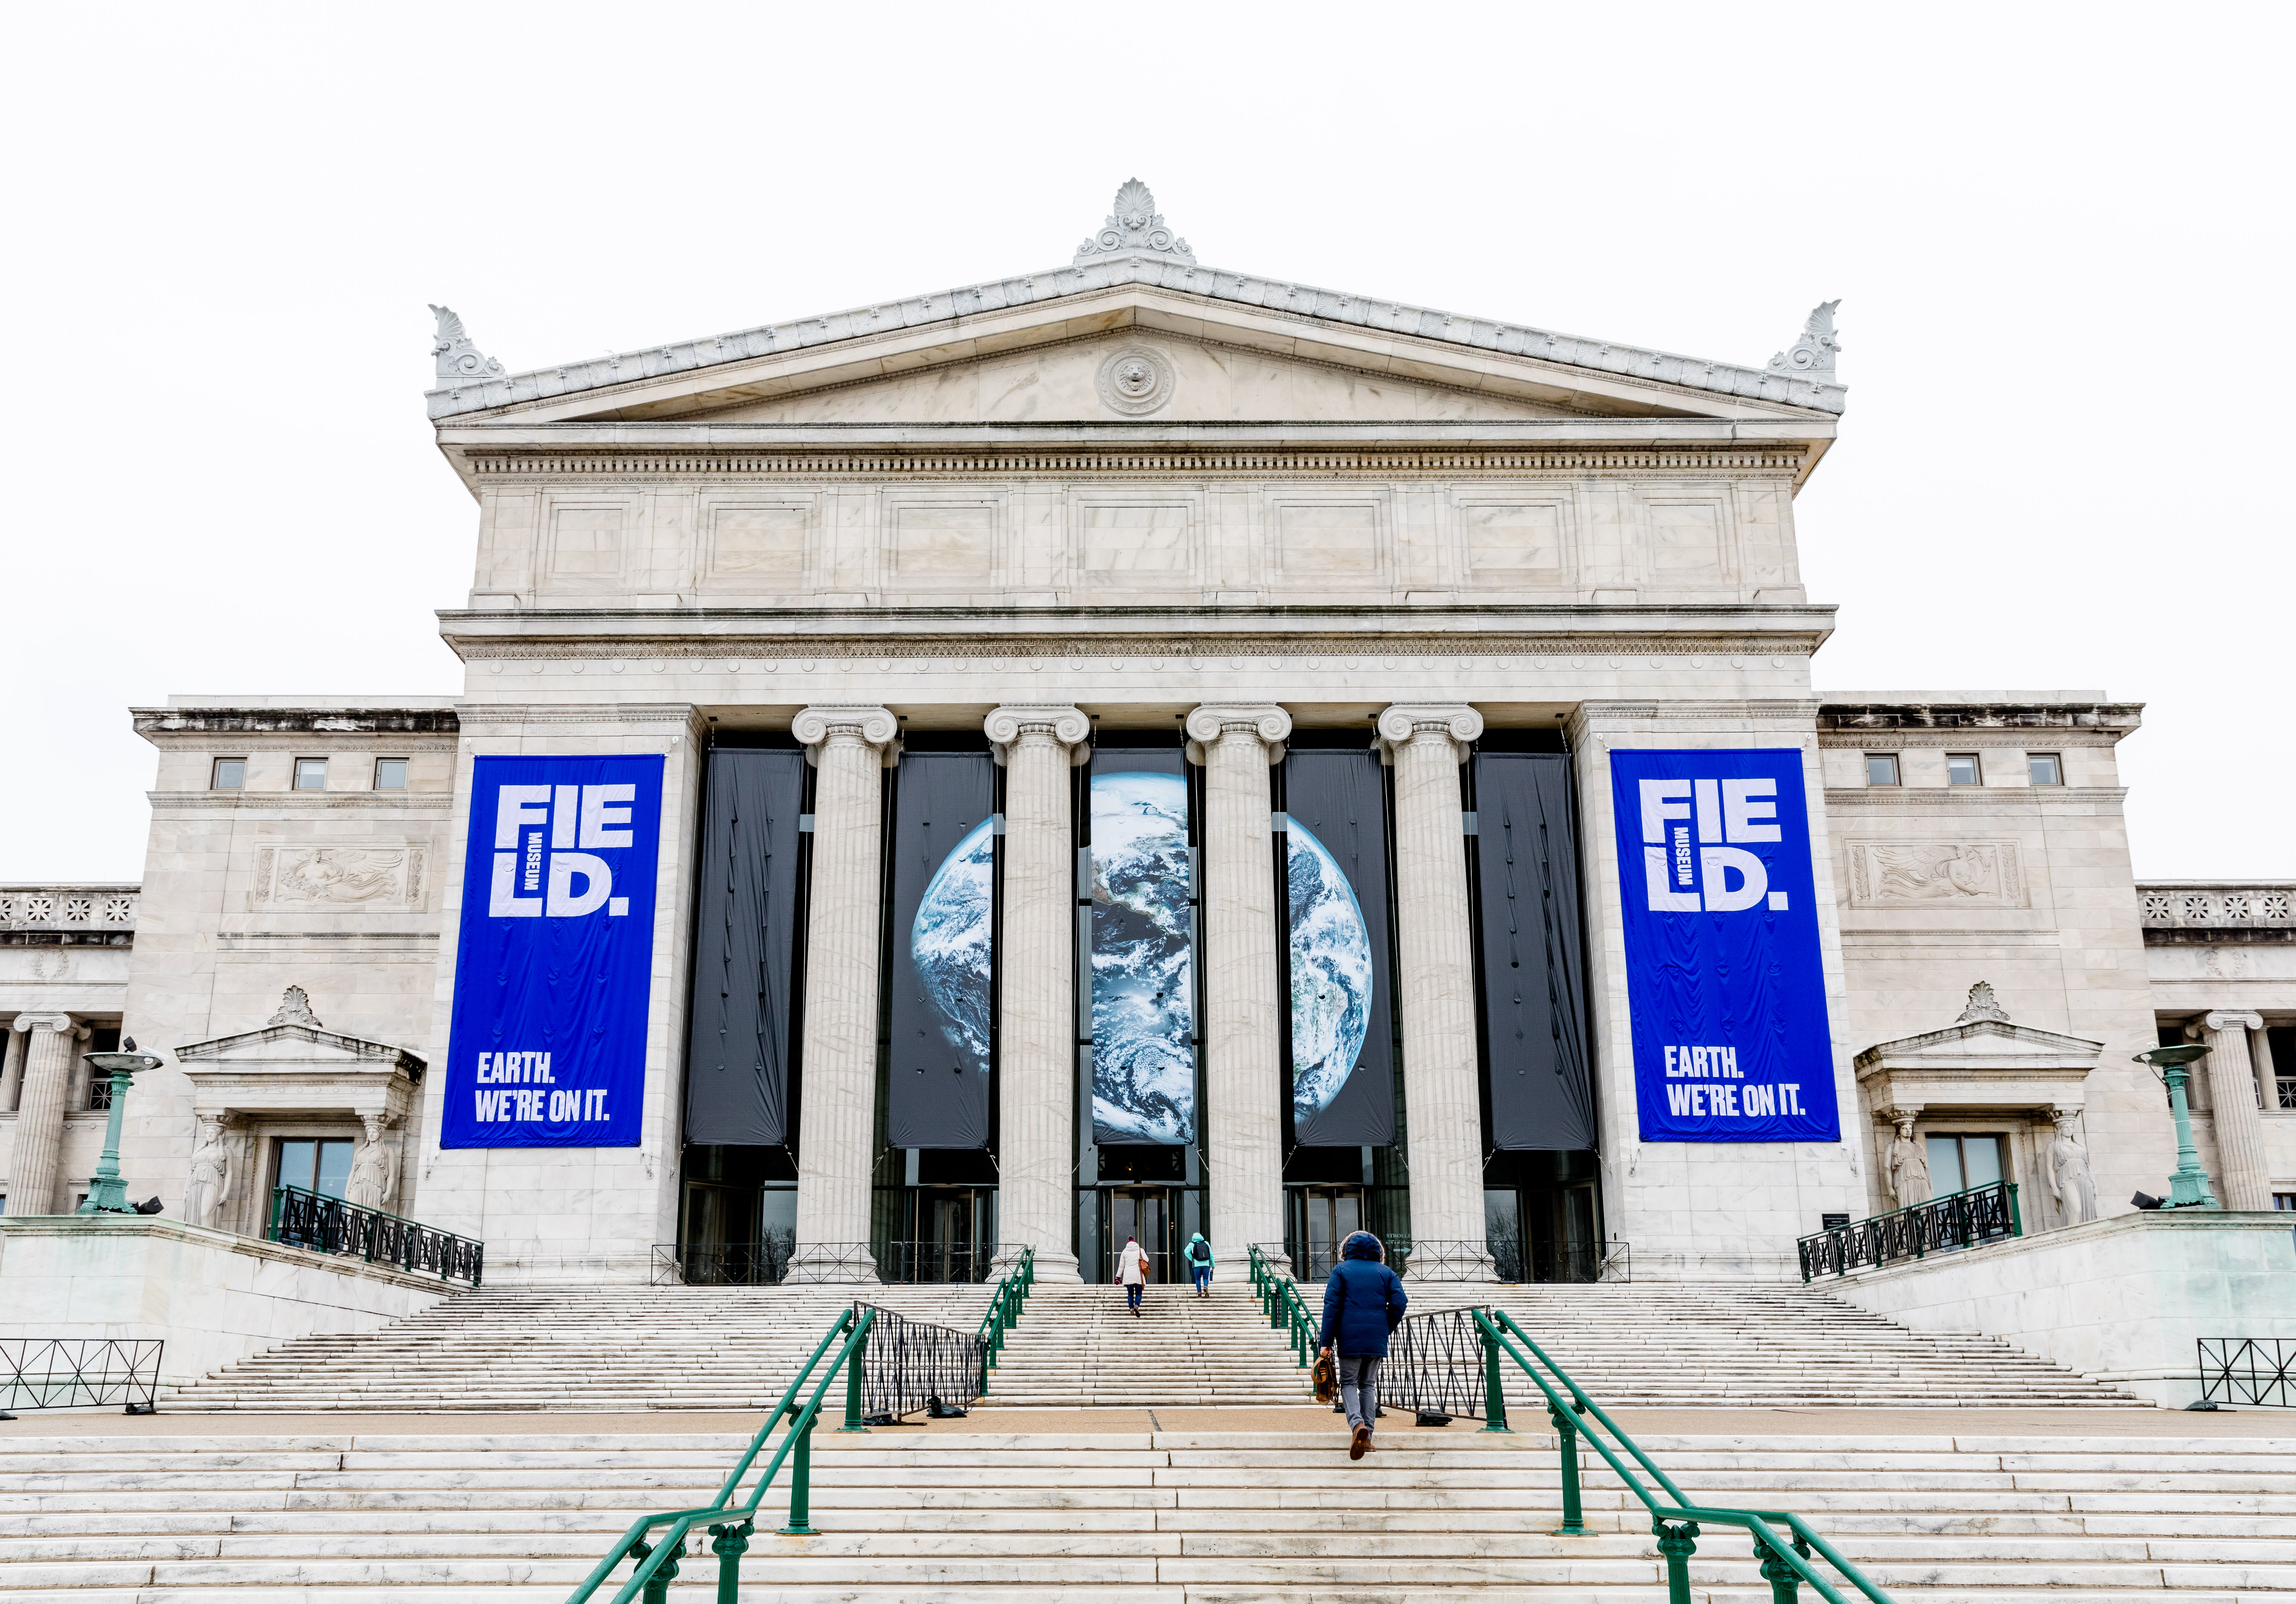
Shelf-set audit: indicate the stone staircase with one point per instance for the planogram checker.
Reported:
(1079, 1346)
(1168, 1517)
(1702, 1345)
(596, 1349)
(606, 1349)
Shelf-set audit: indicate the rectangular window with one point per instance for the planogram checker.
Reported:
(391, 774)
(1958, 1163)
(1880, 767)
(310, 774)
(2044, 768)
(230, 775)
(2286, 1200)
(324, 1167)
(2280, 1042)
(1961, 768)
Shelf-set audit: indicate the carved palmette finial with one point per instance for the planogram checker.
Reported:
(1134, 228)
(460, 362)
(1982, 1005)
(1813, 354)
(295, 1008)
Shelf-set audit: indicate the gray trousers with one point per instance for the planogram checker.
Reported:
(1359, 1388)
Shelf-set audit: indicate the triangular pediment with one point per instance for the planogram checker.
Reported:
(1981, 1044)
(1246, 349)
(299, 1047)
(1134, 373)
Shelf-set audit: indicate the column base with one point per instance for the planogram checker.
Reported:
(1052, 1264)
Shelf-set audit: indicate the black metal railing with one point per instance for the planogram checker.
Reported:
(1481, 1261)
(2259, 1371)
(1958, 1220)
(77, 1372)
(1436, 1361)
(332, 1225)
(779, 1258)
(723, 1263)
(909, 1365)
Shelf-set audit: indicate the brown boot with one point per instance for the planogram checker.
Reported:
(1362, 1442)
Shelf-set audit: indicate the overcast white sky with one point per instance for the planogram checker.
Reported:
(2060, 233)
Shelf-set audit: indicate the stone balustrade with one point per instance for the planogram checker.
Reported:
(91, 912)
(2236, 905)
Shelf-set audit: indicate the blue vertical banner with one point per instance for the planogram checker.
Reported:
(1724, 982)
(554, 966)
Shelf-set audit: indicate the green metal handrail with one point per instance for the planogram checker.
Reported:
(732, 1524)
(1004, 1306)
(1784, 1561)
(1286, 1309)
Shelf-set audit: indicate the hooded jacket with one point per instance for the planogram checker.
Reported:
(1362, 1302)
(1188, 1255)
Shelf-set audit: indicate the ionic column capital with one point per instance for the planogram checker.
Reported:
(1064, 724)
(63, 1024)
(1405, 721)
(2231, 1018)
(1264, 719)
(871, 726)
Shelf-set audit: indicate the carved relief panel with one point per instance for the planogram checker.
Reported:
(1329, 541)
(942, 542)
(1936, 873)
(588, 542)
(1144, 541)
(1515, 541)
(372, 875)
(761, 546)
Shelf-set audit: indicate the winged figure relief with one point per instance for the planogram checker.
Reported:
(1936, 872)
(337, 875)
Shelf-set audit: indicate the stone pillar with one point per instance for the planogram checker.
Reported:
(2244, 1181)
(1036, 980)
(1441, 1090)
(850, 747)
(11, 1070)
(36, 1165)
(1243, 1128)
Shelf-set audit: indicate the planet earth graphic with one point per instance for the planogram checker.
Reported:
(949, 943)
(1144, 1061)
(1331, 976)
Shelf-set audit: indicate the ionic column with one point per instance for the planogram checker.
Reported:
(2244, 1181)
(850, 747)
(1441, 1090)
(12, 1069)
(1243, 1131)
(1035, 980)
(38, 1161)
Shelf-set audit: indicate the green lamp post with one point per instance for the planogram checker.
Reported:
(2188, 1187)
(107, 1193)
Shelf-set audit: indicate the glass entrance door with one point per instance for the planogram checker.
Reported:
(954, 1239)
(1326, 1217)
(1146, 1213)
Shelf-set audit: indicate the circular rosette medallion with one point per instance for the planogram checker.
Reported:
(1137, 380)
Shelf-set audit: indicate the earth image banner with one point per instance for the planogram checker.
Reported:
(1725, 982)
(556, 953)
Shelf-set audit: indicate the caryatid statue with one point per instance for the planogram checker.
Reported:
(210, 1186)
(375, 1170)
(1909, 1166)
(2069, 1180)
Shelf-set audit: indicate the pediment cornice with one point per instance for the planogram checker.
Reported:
(1372, 333)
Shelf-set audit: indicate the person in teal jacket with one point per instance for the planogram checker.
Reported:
(1199, 1256)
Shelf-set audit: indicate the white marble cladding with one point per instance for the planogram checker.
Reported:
(627, 377)
(621, 530)
(96, 907)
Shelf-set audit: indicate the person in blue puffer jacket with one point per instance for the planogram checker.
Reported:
(1362, 1302)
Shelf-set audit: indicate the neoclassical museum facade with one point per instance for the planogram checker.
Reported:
(1134, 749)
